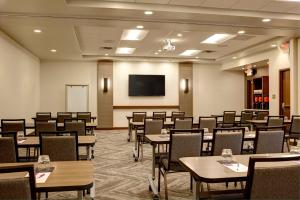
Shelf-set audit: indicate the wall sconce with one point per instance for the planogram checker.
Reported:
(184, 84)
(105, 85)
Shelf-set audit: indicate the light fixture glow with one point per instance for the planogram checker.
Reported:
(125, 50)
(53, 50)
(273, 45)
(37, 30)
(241, 32)
(184, 85)
(197, 57)
(218, 38)
(156, 53)
(190, 52)
(140, 26)
(106, 54)
(159, 50)
(179, 35)
(148, 12)
(234, 57)
(134, 34)
(266, 20)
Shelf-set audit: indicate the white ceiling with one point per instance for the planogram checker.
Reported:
(79, 29)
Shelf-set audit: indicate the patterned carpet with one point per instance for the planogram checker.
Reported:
(117, 176)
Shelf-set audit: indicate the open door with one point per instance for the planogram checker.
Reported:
(284, 102)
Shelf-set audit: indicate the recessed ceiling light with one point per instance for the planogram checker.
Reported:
(241, 32)
(37, 30)
(148, 12)
(134, 34)
(197, 57)
(266, 20)
(234, 57)
(159, 50)
(156, 53)
(140, 26)
(179, 35)
(243, 68)
(190, 52)
(273, 45)
(53, 50)
(254, 65)
(125, 50)
(218, 38)
(106, 54)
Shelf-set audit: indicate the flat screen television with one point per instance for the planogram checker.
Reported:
(146, 85)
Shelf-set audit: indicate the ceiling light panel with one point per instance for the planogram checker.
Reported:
(190, 52)
(125, 50)
(134, 34)
(218, 38)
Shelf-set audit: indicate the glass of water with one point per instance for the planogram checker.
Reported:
(43, 163)
(20, 135)
(227, 155)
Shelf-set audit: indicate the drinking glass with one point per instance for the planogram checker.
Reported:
(20, 135)
(43, 163)
(227, 155)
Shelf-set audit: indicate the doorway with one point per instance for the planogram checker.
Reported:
(284, 102)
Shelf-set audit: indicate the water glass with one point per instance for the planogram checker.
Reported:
(43, 163)
(20, 135)
(227, 155)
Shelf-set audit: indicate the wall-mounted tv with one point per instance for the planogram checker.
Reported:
(146, 85)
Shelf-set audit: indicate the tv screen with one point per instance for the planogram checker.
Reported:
(146, 85)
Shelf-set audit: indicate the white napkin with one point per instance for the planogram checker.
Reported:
(42, 177)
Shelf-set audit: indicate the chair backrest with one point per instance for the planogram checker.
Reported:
(229, 117)
(261, 115)
(76, 125)
(275, 120)
(228, 138)
(295, 125)
(159, 115)
(177, 114)
(44, 126)
(269, 139)
(59, 145)
(208, 122)
(138, 116)
(43, 116)
(185, 143)
(8, 147)
(153, 126)
(273, 177)
(245, 116)
(18, 186)
(61, 116)
(87, 116)
(183, 123)
(14, 125)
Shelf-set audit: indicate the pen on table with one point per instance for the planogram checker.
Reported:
(40, 176)
(237, 166)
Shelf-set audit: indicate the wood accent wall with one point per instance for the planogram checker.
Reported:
(105, 99)
(186, 99)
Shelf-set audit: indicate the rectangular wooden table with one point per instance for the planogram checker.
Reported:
(209, 170)
(66, 176)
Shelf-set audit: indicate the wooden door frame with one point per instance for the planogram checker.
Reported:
(280, 88)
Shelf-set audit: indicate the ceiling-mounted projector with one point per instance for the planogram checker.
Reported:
(168, 46)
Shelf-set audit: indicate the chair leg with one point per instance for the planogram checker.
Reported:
(142, 151)
(191, 183)
(166, 185)
(159, 174)
(288, 144)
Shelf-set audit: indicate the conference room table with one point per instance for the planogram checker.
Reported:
(83, 140)
(210, 169)
(257, 122)
(66, 176)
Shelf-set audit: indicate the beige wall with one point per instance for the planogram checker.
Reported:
(216, 90)
(277, 60)
(19, 80)
(56, 74)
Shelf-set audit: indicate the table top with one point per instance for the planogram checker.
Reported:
(32, 141)
(73, 117)
(209, 170)
(257, 121)
(66, 176)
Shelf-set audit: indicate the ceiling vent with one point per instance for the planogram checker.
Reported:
(106, 48)
(208, 51)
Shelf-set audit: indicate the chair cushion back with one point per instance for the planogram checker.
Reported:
(229, 118)
(13, 126)
(61, 117)
(262, 115)
(8, 152)
(43, 116)
(269, 141)
(185, 145)
(78, 126)
(138, 117)
(186, 123)
(228, 140)
(209, 123)
(275, 122)
(276, 182)
(59, 148)
(246, 116)
(43, 126)
(177, 115)
(153, 126)
(159, 115)
(15, 188)
(87, 116)
(295, 126)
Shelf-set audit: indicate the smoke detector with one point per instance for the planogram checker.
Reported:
(168, 45)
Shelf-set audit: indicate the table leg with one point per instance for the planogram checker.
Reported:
(80, 194)
(129, 131)
(197, 190)
(153, 161)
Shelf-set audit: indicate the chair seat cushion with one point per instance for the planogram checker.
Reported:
(174, 166)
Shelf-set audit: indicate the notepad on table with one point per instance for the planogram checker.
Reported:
(237, 167)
